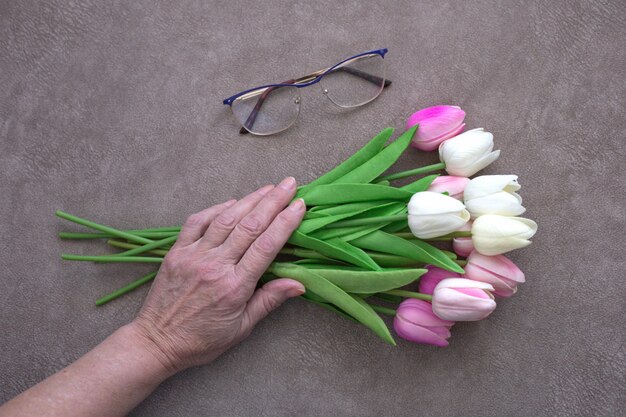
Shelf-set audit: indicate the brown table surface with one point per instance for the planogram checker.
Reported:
(113, 112)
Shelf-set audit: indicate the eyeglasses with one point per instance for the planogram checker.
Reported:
(272, 108)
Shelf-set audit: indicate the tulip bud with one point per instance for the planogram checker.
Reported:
(499, 271)
(493, 194)
(468, 153)
(460, 299)
(452, 185)
(434, 276)
(416, 322)
(432, 214)
(463, 246)
(493, 234)
(436, 124)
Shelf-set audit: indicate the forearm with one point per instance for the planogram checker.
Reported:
(110, 380)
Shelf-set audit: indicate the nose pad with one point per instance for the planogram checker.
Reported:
(325, 91)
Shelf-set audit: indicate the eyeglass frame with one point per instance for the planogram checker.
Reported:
(306, 81)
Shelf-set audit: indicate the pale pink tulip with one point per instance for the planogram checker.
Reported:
(450, 184)
(436, 124)
(499, 271)
(461, 299)
(434, 276)
(416, 322)
(463, 246)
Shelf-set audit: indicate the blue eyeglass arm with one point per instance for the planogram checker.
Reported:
(305, 81)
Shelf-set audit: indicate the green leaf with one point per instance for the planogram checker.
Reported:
(360, 157)
(334, 295)
(367, 282)
(367, 262)
(412, 249)
(420, 185)
(387, 260)
(343, 232)
(396, 226)
(334, 249)
(353, 193)
(379, 163)
(347, 208)
(311, 225)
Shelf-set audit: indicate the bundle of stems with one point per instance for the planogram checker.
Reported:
(353, 250)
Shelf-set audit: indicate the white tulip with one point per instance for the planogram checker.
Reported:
(460, 299)
(432, 214)
(493, 234)
(468, 153)
(493, 194)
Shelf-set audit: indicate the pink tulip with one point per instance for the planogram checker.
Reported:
(461, 299)
(416, 322)
(434, 276)
(499, 271)
(463, 246)
(437, 124)
(450, 184)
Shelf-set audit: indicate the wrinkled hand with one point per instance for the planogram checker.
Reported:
(203, 300)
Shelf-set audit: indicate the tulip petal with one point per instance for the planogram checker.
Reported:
(451, 304)
(469, 170)
(428, 202)
(462, 246)
(418, 334)
(420, 313)
(501, 203)
(490, 184)
(473, 292)
(434, 276)
(450, 184)
(499, 266)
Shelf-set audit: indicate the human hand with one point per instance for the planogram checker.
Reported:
(203, 300)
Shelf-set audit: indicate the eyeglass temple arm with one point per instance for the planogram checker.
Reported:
(361, 74)
(374, 79)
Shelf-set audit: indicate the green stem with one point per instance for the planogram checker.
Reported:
(81, 235)
(411, 172)
(145, 248)
(304, 253)
(383, 310)
(103, 228)
(461, 262)
(126, 245)
(157, 229)
(462, 233)
(111, 258)
(410, 294)
(367, 221)
(128, 288)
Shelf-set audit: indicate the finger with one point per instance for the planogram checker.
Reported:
(265, 248)
(268, 298)
(196, 225)
(258, 220)
(225, 222)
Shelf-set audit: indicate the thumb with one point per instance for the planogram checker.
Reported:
(268, 298)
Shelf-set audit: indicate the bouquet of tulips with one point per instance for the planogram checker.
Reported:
(364, 241)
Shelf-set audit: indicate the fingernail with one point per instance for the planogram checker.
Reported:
(230, 203)
(297, 206)
(288, 183)
(296, 291)
(266, 189)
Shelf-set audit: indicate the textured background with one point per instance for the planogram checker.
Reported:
(114, 113)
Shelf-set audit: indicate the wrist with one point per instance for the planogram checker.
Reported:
(151, 354)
